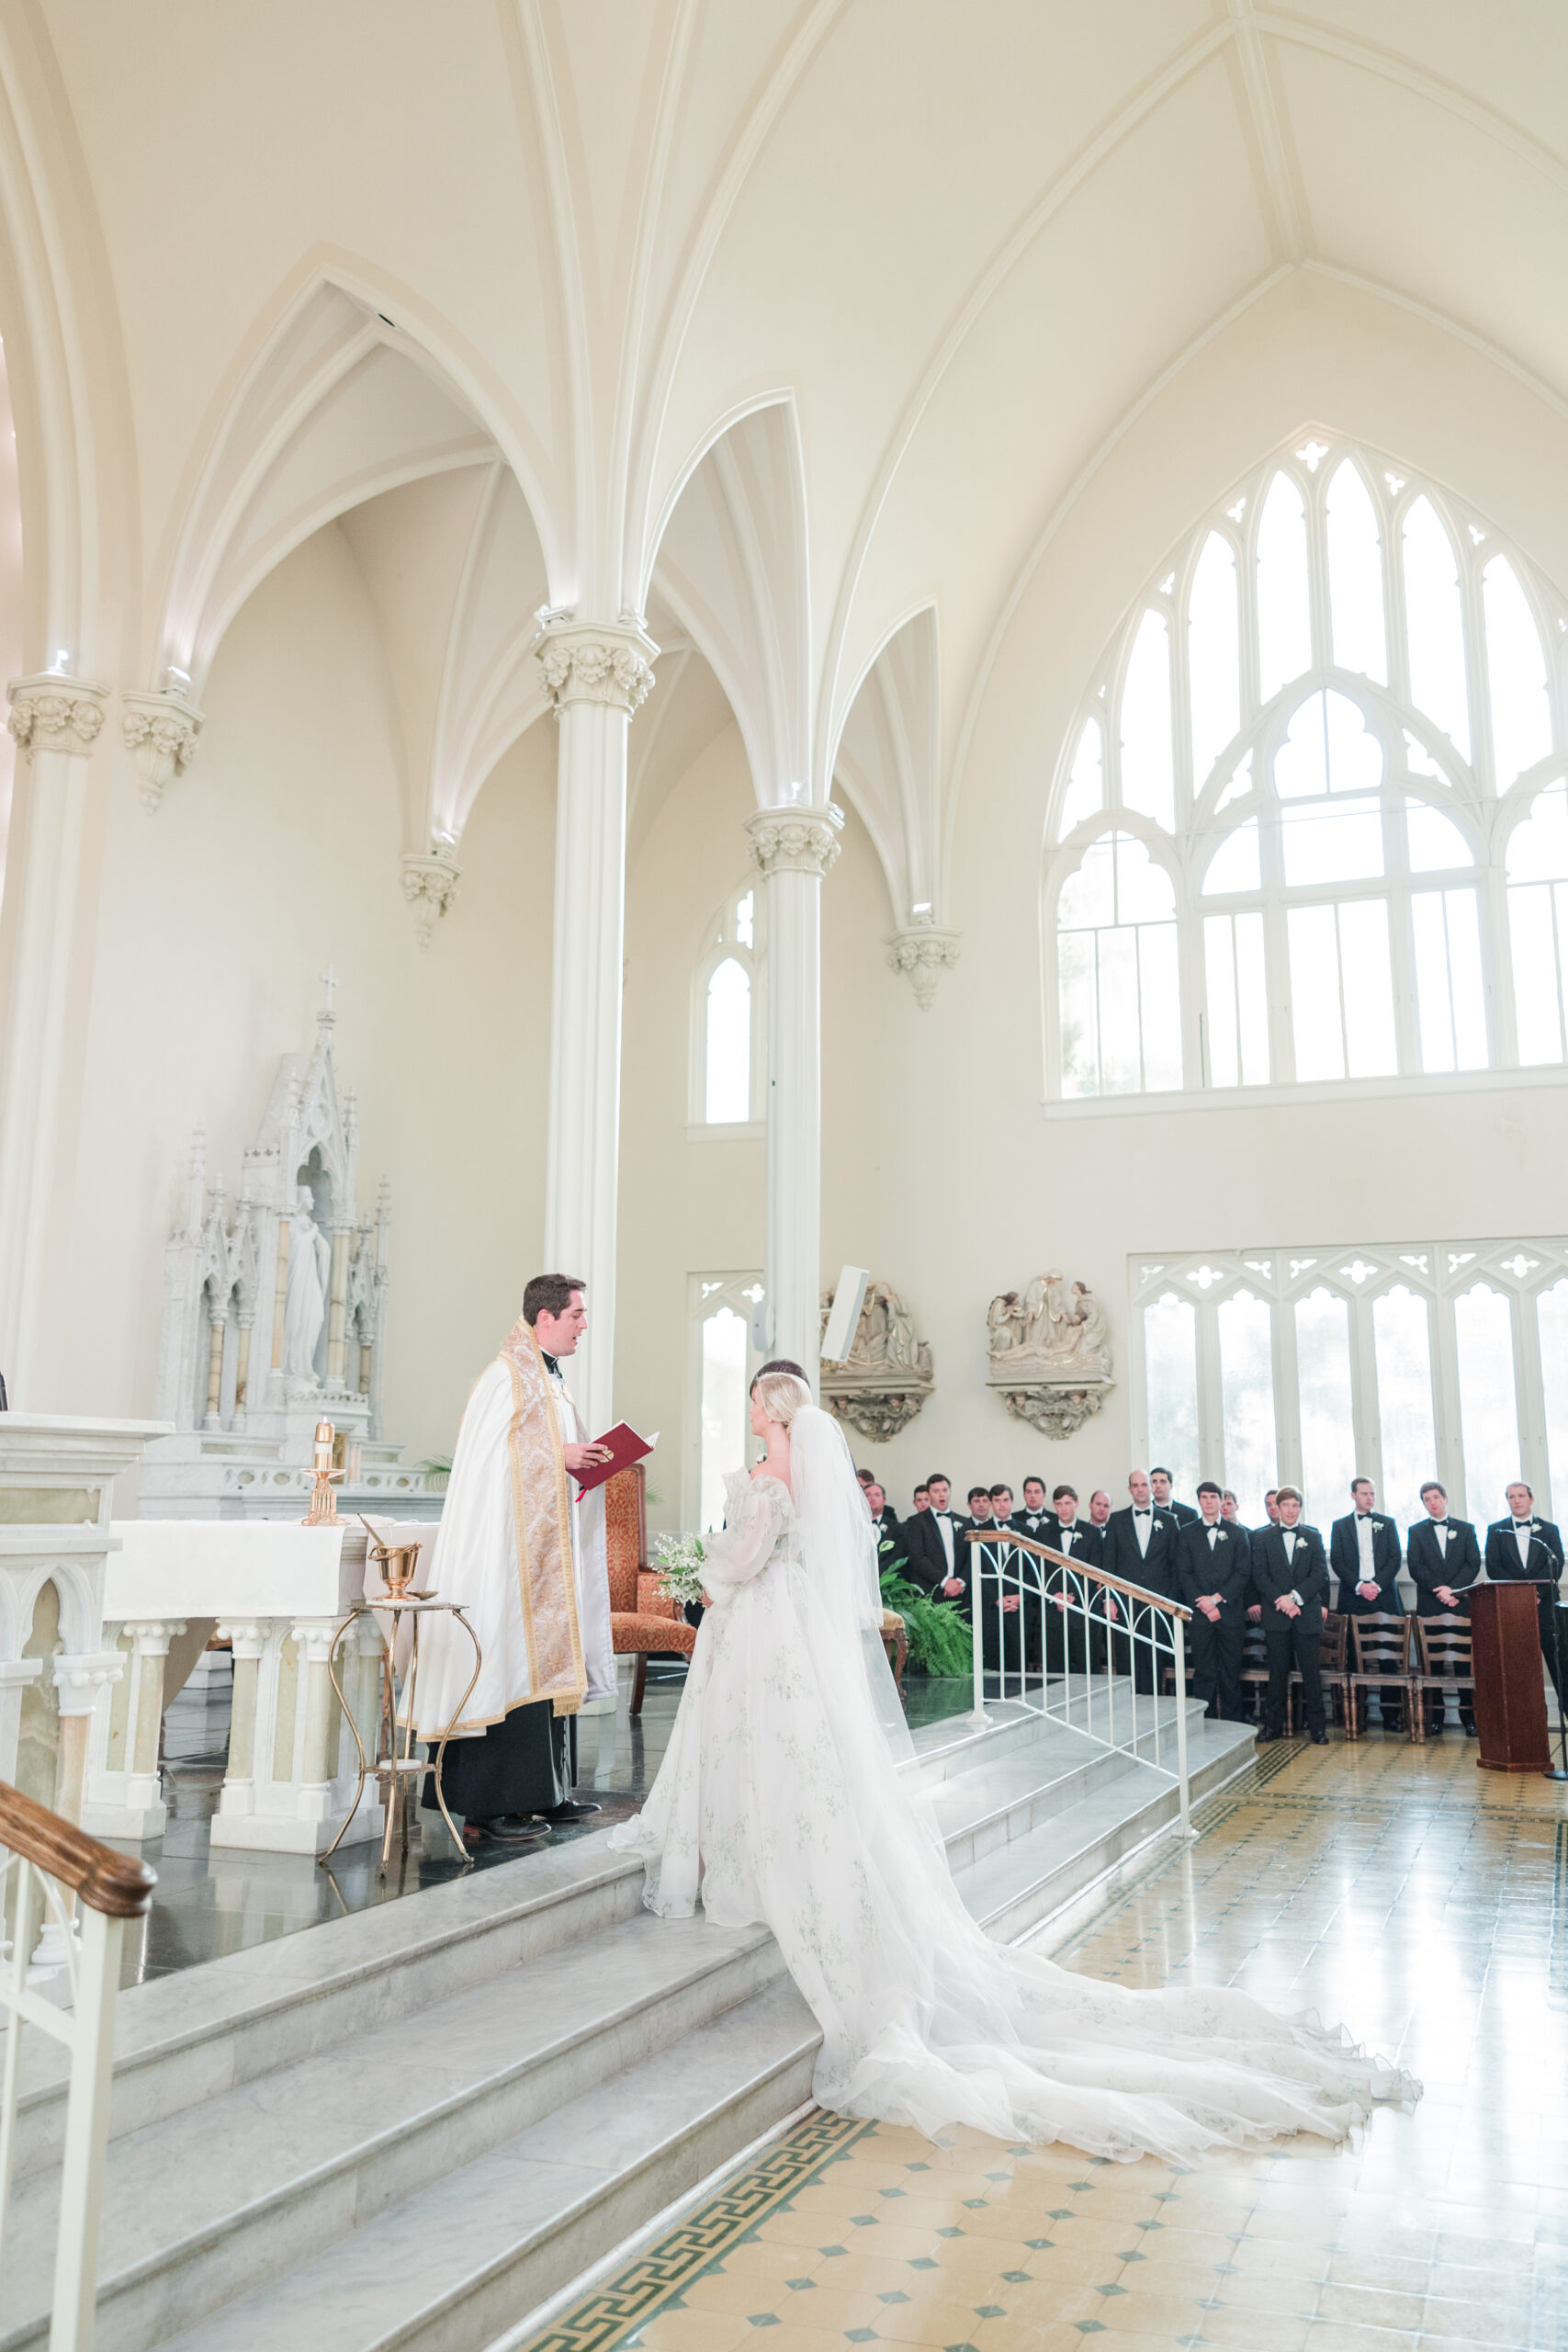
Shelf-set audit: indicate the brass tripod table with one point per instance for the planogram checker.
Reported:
(397, 1765)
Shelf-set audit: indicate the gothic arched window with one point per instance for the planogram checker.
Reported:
(727, 1078)
(1311, 824)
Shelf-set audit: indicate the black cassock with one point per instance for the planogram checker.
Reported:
(526, 1763)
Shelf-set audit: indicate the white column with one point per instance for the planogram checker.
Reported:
(55, 721)
(596, 677)
(794, 848)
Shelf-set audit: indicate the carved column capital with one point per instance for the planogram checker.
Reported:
(584, 661)
(160, 732)
(79, 1678)
(430, 885)
(245, 1636)
(55, 714)
(796, 840)
(152, 1635)
(924, 953)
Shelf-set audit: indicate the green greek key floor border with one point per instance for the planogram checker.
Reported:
(653, 2282)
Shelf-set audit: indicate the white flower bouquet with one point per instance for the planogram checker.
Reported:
(679, 1560)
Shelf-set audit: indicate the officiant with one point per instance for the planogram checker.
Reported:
(525, 1558)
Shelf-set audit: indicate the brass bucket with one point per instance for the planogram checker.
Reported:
(399, 1563)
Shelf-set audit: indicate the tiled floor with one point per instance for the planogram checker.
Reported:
(1421, 1901)
(209, 1903)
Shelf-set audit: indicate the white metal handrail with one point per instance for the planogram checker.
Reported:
(62, 1889)
(1098, 1614)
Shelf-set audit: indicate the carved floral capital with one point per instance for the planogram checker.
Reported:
(922, 952)
(160, 732)
(54, 714)
(796, 840)
(430, 885)
(588, 664)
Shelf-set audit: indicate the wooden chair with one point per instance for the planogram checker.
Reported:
(1442, 1663)
(1334, 1665)
(1255, 1664)
(896, 1641)
(1380, 1659)
(644, 1621)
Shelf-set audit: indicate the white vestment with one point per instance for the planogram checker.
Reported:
(476, 1562)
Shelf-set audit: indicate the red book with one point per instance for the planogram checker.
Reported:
(626, 1447)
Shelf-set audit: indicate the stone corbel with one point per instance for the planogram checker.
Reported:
(160, 732)
(924, 953)
(430, 885)
(587, 662)
(796, 840)
(50, 713)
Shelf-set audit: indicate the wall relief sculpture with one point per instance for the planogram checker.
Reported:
(887, 1376)
(1049, 1351)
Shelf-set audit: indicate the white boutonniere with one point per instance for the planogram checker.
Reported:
(1157, 1523)
(1224, 1534)
(1535, 1527)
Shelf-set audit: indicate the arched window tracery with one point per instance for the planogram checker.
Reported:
(1335, 729)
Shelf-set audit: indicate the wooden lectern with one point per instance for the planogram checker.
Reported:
(1510, 1695)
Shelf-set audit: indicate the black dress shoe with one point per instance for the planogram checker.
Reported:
(1470, 1732)
(1265, 1736)
(574, 1811)
(1320, 1740)
(506, 1829)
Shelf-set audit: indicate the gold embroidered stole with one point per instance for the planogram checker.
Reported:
(541, 1517)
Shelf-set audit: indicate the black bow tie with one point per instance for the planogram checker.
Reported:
(1363, 1514)
(1441, 1523)
(551, 1366)
(1139, 1512)
(1522, 1526)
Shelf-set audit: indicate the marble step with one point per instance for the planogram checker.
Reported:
(238, 2186)
(187, 2037)
(457, 2268)
(333, 2099)
(500, 2238)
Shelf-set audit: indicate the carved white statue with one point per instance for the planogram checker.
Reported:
(305, 1309)
(1050, 1352)
(887, 1376)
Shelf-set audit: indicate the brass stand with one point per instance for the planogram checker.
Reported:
(397, 1763)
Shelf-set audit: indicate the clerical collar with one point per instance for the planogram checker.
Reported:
(551, 1366)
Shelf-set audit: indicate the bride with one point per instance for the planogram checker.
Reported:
(780, 1801)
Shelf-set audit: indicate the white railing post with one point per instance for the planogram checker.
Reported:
(976, 1611)
(1179, 1650)
(49, 1871)
(86, 2134)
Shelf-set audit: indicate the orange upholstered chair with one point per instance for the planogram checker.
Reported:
(642, 1618)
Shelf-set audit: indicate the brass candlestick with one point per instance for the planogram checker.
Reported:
(323, 1502)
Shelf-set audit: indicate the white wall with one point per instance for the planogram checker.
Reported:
(941, 1170)
(277, 854)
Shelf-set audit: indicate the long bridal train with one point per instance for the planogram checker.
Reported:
(781, 1803)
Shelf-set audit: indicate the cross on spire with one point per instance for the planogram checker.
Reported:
(329, 981)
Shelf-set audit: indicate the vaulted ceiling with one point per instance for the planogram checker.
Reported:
(805, 318)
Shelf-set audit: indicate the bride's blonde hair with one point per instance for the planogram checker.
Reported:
(781, 1393)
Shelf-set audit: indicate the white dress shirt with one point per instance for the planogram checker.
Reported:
(944, 1528)
(1142, 1527)
(1524, 1532)
(1364, 1531)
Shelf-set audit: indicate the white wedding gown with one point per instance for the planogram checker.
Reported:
(780, 1801)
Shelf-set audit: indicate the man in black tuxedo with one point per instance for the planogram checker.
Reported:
(934, 1551)
(1443, 1558)
(1035, 1513)
(1523, 1546)
(1070, 1638)
(1140, 1545)
(883, 1516)
(1290, 1574)
(1160, 1485)
(1363, 1552)
(1211, 1579)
